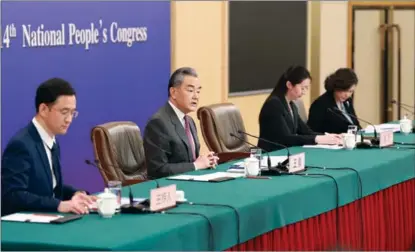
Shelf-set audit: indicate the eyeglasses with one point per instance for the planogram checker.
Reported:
(67, 112)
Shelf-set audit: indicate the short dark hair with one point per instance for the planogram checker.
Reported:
(177, 77)
(49, 91)
(295, 75)
(341, 80)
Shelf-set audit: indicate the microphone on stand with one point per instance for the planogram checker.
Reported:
(243, 140)
(281, 167)
(268, 141)
(403, 106)
(132, 207)
(374, 141)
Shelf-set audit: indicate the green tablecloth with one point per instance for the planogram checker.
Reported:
(263, 205)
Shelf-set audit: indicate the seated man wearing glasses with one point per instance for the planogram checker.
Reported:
(31, 178)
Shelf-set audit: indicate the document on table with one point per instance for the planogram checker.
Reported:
(383, 127)
(264, 162)
(324, 146)
(27, 217)
(207, 177)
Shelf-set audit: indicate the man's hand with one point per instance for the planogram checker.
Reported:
(206, 160)
(72, 206)
(83, 198)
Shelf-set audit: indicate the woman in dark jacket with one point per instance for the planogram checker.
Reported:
(333, 111)
(279, 120)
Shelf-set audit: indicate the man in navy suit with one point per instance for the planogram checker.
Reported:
(31, 178)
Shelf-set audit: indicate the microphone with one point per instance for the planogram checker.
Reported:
(243, 140)
(95, 163)
(281, 167)
(374, 141)
(403, 106)
(268, 141)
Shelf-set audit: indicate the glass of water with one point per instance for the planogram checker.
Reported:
(257, 153)
(352, 129)
(114, 186)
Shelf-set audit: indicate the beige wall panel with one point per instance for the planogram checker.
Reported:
(333, 38)
(368, 65)
(406, 20)
(197, 41)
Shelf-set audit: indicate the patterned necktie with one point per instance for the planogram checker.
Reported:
(189, 136)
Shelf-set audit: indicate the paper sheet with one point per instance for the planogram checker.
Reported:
(207, 177)
(324, 146)
(383, 127)
(264, 161)
(36, 218)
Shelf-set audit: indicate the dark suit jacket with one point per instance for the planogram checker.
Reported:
(276, 124)
(167, 149)
(322, 120)
(26, 179)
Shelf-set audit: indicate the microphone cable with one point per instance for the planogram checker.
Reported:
(359, 196)
(403, 143)
(317, 175)
(211, 243)
(399, 147)
(222, 205)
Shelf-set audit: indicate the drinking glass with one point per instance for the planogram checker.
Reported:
(257, 153)
(352, 129)
(114, 186)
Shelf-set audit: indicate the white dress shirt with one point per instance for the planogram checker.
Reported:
(181, 116)
(179, 113)
(48, 144)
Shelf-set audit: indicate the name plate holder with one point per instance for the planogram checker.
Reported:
(296, 163)
(386, 139)
(162, 198)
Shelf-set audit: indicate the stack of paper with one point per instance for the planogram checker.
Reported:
(206, 177)
(383, 127)
(35, 218)
(324, 146)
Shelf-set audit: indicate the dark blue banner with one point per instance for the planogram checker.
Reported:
(115, 54)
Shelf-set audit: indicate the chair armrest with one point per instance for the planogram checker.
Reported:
(229, 156)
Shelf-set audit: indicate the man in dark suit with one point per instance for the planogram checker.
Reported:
(31, 173)
(170, 138)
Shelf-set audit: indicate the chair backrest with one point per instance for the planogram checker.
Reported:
(301, 109)
(217, 121)
(118, 147)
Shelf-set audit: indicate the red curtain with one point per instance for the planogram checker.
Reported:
(382, 221)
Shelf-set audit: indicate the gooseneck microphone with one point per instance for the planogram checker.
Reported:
(406, 108)
(285, 163)
(243, 140)
(374, 141)
(403, 105)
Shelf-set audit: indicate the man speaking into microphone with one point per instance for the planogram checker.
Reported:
(171, 144)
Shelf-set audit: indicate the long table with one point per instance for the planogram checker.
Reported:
(284, 212)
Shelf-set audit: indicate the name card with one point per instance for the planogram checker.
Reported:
(386, 138)
(163, 198)
(296, 163)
